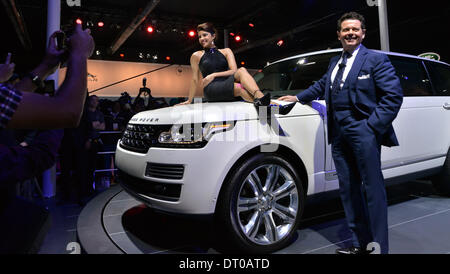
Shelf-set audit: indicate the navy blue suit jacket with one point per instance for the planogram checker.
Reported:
(375, 92)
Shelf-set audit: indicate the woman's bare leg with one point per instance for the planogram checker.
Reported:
(242, 76)
(239, 91)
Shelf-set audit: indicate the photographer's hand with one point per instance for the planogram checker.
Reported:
(6, 69)
(53, 56)
(37, 111)
(48, 65)
(81, 43)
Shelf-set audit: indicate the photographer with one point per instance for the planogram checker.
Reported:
(29, 110)
(20, 109)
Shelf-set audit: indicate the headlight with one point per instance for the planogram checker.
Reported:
(196, 135)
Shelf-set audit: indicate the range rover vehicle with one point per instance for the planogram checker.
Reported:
(253, 174)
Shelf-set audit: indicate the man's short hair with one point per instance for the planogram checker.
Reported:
(349, 16)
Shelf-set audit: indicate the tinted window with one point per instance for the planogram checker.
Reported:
(440, 77)
(294, 75)
(413, 77)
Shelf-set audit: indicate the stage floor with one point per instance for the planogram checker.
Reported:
(116, 223)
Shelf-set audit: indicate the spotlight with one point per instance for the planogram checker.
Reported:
(168, 58)
(89, 24)
(141, 55)
(155, 57)
(97, 52)
(251, 25)
(191, 33)
(79, 21)
(242, 63)
(237, 38)
(150, 29)
(280, 43)
(100, 24)
(231, 33)
(122, 55)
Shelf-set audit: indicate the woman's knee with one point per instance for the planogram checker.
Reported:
(240, 72)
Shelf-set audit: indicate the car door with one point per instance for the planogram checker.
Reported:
(440, 79)
(418, 125)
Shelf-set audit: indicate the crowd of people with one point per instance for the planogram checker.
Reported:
(82, 168)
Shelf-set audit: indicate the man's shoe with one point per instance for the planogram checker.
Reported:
(351, 250)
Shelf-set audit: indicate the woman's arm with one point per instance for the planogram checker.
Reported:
(195, 78)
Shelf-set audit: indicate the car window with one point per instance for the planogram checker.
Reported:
(413, 77)
(293, 76)
(440, 77)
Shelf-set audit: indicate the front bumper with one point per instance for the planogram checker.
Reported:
(203, 172)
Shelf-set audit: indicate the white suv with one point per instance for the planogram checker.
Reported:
(254, 173)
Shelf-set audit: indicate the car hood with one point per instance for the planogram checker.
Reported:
(215, 112)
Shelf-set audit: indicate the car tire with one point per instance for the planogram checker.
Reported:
(258, 217)
(441, 181)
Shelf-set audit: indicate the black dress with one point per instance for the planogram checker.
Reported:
(221, 88)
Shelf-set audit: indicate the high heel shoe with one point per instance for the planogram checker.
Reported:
(285, 109)
(282, 109)
(263, 101)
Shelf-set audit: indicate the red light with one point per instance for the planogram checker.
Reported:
(100, 24)
(242, 63)
(237, 38)
(168, 58)
(79, 21)
(191, 33)
(232, 33)
(251, 25)
(280, 43)
(150, 29)
(122, 55)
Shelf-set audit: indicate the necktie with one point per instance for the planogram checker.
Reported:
(338, 78)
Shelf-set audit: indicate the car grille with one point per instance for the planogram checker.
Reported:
(139, 138)
(164, 171)
(160, 191)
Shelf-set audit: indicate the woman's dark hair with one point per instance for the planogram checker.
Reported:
(349, 16)
(208, 27)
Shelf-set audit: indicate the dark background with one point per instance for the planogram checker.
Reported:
(414, 27)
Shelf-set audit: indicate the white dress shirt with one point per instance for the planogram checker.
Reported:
(347, 68)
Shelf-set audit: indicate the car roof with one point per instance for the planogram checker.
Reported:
(340, 49)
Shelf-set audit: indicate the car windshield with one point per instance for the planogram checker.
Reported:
(294, 75)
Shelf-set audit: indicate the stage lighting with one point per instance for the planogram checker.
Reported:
(79, 21)
(191, 33)
(251, 25)
(97, 52)
(168, 58)
(150, 29)
(242, 63)
(280, 43)
(237, 38)
(231, 33)
(122, 55)
(100, 24)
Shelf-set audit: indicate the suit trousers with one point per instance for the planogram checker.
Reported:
(356, 151)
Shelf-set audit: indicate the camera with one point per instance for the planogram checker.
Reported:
(61, 41)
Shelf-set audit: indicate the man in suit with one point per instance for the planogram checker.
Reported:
(363, 96)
